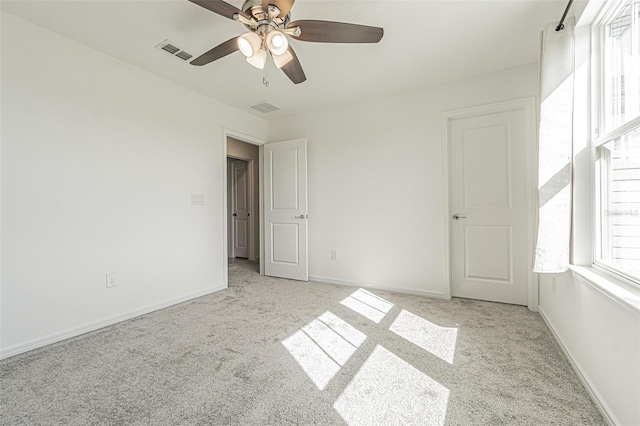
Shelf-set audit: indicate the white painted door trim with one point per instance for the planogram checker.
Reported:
(225, 244)
(529, 107)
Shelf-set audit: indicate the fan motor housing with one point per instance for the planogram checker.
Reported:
(254, 8)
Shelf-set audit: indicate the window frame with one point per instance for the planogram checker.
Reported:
(598, 139)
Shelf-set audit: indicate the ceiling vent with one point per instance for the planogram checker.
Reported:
(174, 50)
(264, 107)
(184, 55)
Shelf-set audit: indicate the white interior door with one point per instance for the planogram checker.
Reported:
(285, 210)
(240, 208)
(488, 204)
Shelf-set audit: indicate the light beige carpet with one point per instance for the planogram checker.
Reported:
(271, 352)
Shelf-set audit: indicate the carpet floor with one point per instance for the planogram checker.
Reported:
(269, 351)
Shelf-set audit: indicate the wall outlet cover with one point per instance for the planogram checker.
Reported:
(111, 280)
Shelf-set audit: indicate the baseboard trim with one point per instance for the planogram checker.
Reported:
(604, 408)
(434, 294)
(74, 332)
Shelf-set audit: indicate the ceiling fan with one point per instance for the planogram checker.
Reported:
(269, 24)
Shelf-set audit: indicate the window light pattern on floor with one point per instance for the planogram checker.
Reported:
(368, 305)
(440, 341)
(372, 397)
(323, 346)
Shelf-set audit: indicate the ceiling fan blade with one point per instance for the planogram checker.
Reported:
(217, 52)
(336, 32)
(283, 5)
(293, 69)
(220, 7)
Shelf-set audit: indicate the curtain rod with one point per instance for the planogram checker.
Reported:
(560, 26)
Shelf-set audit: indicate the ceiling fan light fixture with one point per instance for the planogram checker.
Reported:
(259, 59)
(282, 60)
(269, 24)
(277, 42)
(249, 44)
(274, 11)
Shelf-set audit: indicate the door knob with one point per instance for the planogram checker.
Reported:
(235, 214)
(302, 216)
(458, 217)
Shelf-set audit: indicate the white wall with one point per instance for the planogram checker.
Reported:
(99, 159)
(602, 338)
(376, 181)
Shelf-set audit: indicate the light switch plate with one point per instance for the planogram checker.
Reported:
(197, 199)
(111, 280)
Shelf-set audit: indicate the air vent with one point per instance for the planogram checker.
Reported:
(170, 48)
(174, 50)
(264, 107)
(184, 55)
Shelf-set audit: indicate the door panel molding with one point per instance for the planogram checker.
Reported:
(280, 254)
(470, 153)
(528, 106)
(479, 269)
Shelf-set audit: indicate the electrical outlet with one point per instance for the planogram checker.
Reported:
(334, 254)
(111, 280)
(553, 281)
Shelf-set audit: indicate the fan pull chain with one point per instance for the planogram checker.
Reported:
(265, 78)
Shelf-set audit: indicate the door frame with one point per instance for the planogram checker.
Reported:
(226, 133)
(529, 106)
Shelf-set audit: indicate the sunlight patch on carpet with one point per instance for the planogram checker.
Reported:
(343, 328)
(440, 341)
(389, 391)
(368, 305)
(323, 346)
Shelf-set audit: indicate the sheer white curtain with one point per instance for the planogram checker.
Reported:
(555, 148)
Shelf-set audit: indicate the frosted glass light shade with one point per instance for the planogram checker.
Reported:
(282, 60)
(258, 59)
(249, 44)
(277, 42)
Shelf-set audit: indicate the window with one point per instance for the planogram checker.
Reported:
(617, 166)
(621, 66)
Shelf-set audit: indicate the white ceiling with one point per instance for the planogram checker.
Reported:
(425, 43)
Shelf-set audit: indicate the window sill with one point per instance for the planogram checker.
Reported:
(612, 287)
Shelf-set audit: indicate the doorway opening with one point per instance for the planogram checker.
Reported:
(243, 202)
